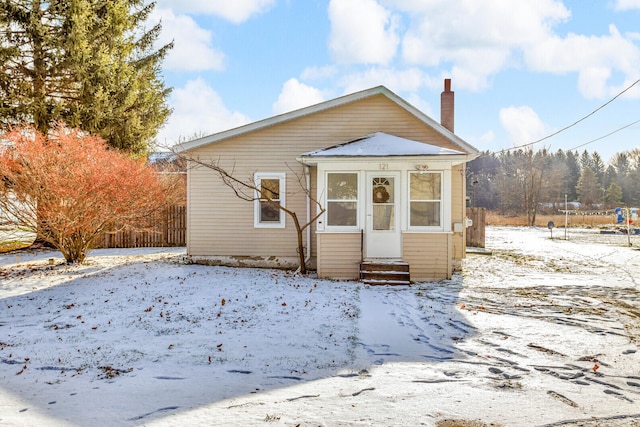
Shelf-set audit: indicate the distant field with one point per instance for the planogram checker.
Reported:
(574, 220)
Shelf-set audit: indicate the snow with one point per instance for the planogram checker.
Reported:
(380, 144)
(543, 332)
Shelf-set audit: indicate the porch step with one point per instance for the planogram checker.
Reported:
(385, 273)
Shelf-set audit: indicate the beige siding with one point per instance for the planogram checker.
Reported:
(339, 255)
(220, 224)
(428, 255)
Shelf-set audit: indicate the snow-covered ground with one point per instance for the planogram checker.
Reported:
(543, 332)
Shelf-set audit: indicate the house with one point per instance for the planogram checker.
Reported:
(390, 178)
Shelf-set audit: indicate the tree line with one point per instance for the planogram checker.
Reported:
(528, 182)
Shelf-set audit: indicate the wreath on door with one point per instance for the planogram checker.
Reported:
(380, 194)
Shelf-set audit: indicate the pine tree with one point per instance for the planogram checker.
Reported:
(589, 189)
(88, 63)
(613, 195)
(598, 166)
(573, 176)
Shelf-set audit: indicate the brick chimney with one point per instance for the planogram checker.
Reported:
(447, 106)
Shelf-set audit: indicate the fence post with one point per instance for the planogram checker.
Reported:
(476, 233)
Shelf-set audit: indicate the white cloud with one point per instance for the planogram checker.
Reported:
(627, 4)
(236, 11)
(197, 110)
(478, 39)
(362, 31)
(522, 125)
(295, 95)
(487, 137)
(592, 82)
(592, 57)
(192, 49)
(397, 80)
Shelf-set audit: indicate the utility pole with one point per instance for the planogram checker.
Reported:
(566, 217)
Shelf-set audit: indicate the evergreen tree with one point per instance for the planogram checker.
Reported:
(610, 177)
(621, 164)
(509, 190)
(88, 63)
(555, 181)
(613, 196)
(589, 189)
(598, 166)
(631, 189)
(586, 161)
(573, 176)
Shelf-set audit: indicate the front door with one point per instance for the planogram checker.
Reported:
(382, 233)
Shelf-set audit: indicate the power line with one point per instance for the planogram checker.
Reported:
(604, 136)
(578, 121)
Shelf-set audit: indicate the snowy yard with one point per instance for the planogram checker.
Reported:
(543, 332)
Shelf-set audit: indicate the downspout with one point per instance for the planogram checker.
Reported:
(307, 176)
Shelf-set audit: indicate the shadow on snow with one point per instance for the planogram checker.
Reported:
(155, 336)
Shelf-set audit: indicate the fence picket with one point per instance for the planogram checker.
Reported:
(169, 230)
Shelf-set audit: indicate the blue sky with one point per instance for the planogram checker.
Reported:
(521, 70)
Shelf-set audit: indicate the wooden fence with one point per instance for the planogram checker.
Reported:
(476, 233)
(169, 230)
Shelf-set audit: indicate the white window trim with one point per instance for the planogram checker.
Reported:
(358, 201)
(258, 177)
(443, 188)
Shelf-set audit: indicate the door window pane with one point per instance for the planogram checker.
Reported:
(382, 198)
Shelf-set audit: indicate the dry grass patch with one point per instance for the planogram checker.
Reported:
(574, 220)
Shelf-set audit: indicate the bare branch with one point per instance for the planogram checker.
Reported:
(240, 188)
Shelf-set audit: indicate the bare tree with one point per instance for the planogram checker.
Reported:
(248, 190)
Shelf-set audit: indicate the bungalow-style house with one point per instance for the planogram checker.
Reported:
(390, 178)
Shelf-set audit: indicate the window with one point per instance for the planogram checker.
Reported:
(425, 199)
(342, 199)
(383, 201)
(267, 214)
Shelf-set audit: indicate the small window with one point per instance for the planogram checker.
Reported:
(268, 198)
(425, 199)
(342, 199)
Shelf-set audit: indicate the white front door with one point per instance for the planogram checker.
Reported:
(382, 233)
